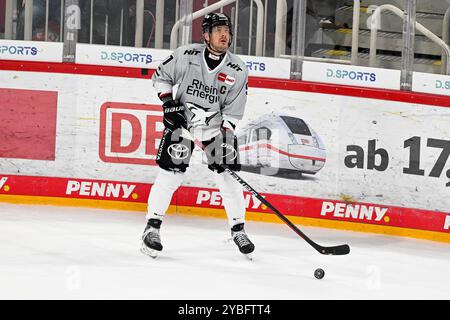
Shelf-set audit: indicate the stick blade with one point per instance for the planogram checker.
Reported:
(335, 251)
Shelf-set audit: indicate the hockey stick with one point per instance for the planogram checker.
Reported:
(334, 250)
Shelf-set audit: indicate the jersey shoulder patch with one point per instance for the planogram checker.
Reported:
(190, 49)
(234, 66)
(235, 63)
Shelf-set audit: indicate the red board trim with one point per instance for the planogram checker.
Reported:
(295, 206)
(255, 82)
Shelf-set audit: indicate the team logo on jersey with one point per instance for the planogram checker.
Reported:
(178, 151)
(226, 78)
(201, 116)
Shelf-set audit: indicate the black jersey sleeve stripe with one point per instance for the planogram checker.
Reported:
(170, 58)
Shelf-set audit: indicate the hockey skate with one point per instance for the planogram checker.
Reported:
(151, 242)
(241, 239)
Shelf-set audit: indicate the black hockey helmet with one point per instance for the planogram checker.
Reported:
(212, 20)
(216, 19)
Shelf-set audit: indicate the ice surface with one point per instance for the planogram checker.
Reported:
(51, 252)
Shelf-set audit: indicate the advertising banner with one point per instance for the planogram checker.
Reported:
(351, 75)
(28, 124)
(31, 50)
(431, 83)
(120, 56)
(151, 58)
(340, 159)
(267, 67)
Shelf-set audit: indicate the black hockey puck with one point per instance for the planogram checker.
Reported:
(319, 273)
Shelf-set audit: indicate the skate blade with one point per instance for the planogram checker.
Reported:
(249, 256)
(149, 252)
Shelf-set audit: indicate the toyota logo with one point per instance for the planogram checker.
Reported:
(178, 151)
(229, 152)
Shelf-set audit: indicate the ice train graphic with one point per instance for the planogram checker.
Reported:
(277, 144)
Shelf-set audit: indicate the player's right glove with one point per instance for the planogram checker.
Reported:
(223, 152)
(174, 117)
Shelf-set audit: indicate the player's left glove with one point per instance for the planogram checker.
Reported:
(174, 117)
(223, 152)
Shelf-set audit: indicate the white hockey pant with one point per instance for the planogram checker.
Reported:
(167, 182)
(232, 197)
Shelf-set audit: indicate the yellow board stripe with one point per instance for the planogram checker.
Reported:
(70, 202)
(220, 213)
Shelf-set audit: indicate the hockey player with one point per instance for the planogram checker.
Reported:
(209, 102)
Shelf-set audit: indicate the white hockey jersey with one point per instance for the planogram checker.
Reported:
(209, 96)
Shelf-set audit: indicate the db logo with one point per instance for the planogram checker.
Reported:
(130, 133)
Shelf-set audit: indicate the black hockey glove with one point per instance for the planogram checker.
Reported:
(174, 117)
(223, 151)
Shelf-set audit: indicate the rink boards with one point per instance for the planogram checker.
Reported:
(88, 136)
